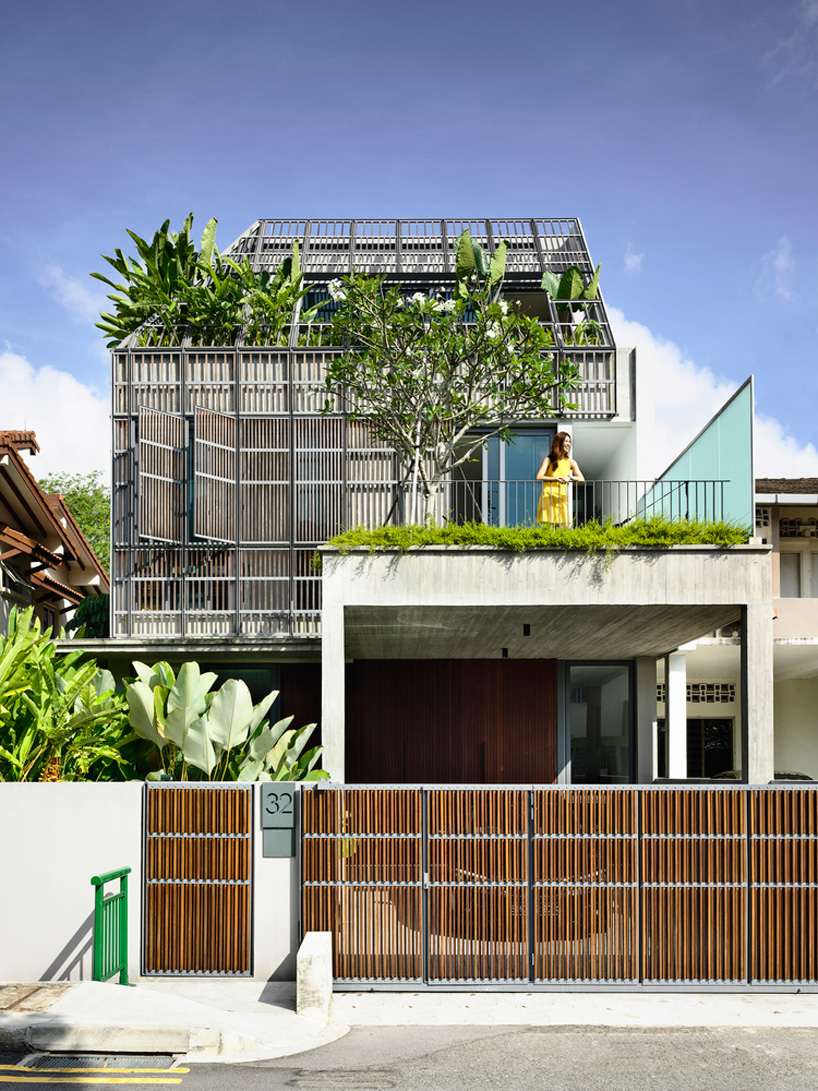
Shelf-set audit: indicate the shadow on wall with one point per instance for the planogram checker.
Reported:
(75, 960)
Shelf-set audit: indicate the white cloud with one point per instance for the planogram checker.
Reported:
(797, 54)
(686, 396)
(633, 262)
(79, 297)
(777, 272)
(71, 420)
(779, 454)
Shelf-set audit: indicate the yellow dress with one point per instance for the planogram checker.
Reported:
(553, 506)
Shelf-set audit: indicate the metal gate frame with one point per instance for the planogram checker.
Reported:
(754, 869)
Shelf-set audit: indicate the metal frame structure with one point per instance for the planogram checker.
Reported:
(722, 879)
(167, 581)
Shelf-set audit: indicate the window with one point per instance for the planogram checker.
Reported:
(599, 723)
(497, 486)
(709, 746)
(790, 575)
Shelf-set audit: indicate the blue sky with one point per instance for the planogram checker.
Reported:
(683, 135)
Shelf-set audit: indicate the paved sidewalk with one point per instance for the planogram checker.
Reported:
(230, 1020)
(238, 1020)
(566, 1009)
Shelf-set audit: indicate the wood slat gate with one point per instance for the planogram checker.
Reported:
(543, 887)
(198, 879)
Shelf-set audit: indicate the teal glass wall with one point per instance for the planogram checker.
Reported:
(722, 451)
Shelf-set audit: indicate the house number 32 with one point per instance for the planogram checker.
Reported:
(277, 807)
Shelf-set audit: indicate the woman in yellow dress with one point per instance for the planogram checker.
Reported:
(555, 473)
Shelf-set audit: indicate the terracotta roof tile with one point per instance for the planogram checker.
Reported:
(802, 485)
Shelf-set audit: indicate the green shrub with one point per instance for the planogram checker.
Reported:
(655, 532)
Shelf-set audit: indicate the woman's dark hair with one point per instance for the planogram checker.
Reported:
(557, 448)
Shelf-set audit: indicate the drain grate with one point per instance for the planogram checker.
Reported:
(122, 1062)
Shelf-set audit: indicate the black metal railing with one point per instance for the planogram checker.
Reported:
(525, 503)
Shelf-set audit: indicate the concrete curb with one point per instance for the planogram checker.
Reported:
(92, 1017)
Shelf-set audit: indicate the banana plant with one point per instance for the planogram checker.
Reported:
(60, 719)
(473, 267)
(220, 735)
(171, 287)
(570, 291)
(153, 287)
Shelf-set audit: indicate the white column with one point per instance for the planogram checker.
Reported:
(333, 695)
(645, 718)
(676, 714)
(757, 735)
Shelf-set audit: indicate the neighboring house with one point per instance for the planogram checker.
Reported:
(453, 666)
(45, 560)
(787, 519)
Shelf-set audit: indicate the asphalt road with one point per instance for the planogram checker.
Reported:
(567, 1059)
(530, 1058)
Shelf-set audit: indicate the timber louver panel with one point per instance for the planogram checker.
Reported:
(784, 869)
(162, 501)
(585, 885)
(214, 476)
(478, 885)
(694, 896)
(564, 885)
(362, 880)
(198, 880)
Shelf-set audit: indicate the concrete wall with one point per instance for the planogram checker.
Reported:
(796, 726)
(54, 838)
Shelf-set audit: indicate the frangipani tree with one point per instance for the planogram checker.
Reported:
(426, 371)
(221, 735)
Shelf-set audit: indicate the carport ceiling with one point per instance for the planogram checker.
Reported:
(556, 632)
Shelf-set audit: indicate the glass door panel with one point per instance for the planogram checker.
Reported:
(599, 723)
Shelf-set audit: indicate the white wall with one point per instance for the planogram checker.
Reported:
(54, 838)
(275, 911)
(796, 726)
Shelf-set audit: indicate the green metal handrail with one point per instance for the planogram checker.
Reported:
(111, 927)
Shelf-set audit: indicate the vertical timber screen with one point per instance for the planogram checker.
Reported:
(547, 887)
(198, 879)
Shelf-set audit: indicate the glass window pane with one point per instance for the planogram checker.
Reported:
(599, 723)
(814, 576)
(790, 575)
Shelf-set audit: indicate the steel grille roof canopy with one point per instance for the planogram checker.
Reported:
(419, 247)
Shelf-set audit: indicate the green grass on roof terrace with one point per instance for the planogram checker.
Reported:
(655, 532)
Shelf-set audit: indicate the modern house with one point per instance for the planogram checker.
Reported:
(228, 479)
(45, 559)
(505, 808)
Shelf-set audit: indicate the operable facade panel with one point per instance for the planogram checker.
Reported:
(161, 476)
(233, 463)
